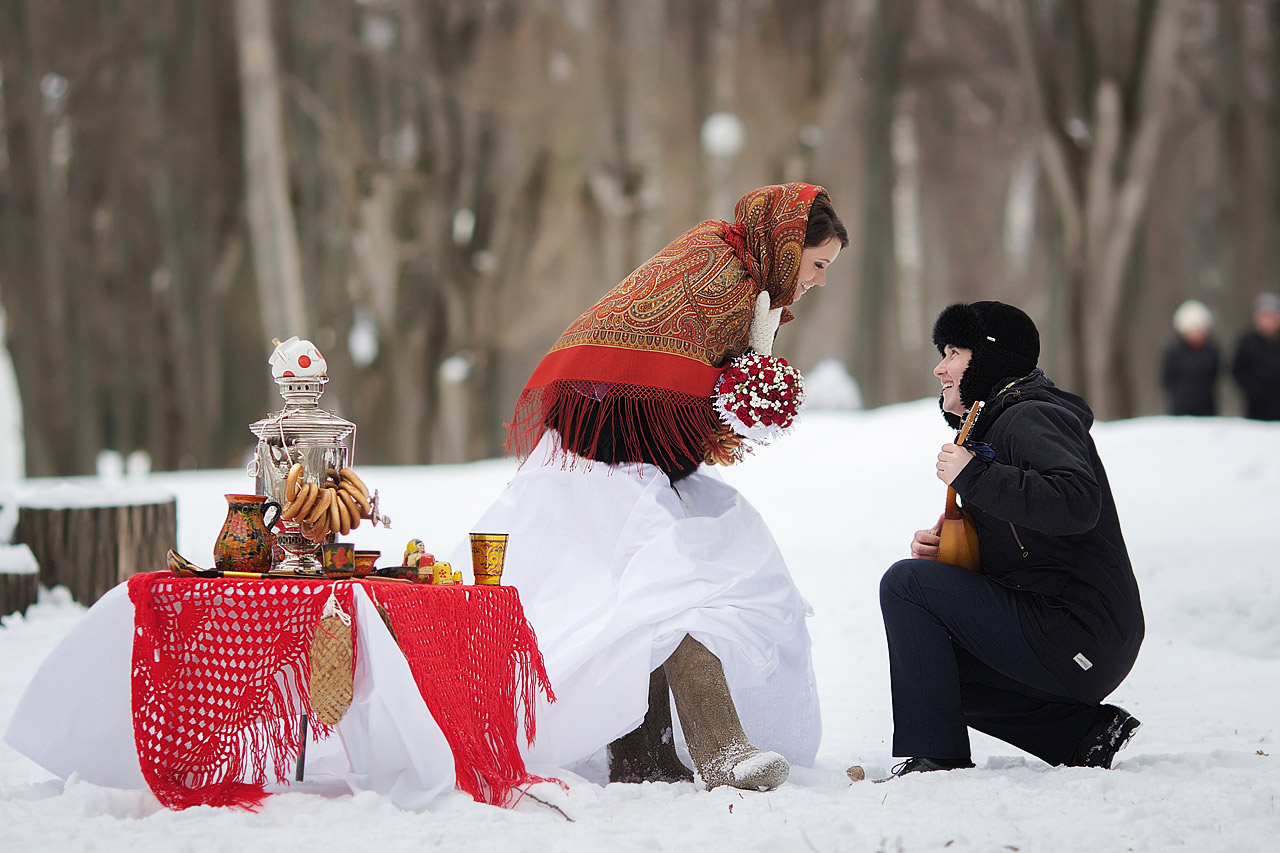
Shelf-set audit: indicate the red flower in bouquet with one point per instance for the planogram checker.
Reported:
(759, 396)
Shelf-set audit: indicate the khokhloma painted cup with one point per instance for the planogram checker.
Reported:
(366, 562)
(488, 552)
(338, 559)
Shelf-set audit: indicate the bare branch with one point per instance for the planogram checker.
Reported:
(1053, 146)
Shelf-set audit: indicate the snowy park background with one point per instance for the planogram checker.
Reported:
(1198, 501)
(431, 190)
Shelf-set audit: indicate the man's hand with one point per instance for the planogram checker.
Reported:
(951, 461)
(924, 545)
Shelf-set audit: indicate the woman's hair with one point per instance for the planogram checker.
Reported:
(604, 432)
(824, 224)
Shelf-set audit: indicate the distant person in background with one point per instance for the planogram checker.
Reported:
(1256, 367)
(1189, 370)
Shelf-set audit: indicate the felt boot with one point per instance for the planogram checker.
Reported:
(648, 753)
(720, 750)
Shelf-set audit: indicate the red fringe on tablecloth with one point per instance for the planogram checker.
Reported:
(221, 669)
(472, 695)
(220, 672)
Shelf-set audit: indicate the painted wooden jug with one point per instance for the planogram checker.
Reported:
(245, 541)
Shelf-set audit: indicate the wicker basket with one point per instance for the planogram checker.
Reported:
(332, 670)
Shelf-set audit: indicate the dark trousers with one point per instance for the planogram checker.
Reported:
(958, 658)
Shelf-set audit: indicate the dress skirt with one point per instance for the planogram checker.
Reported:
(614, 566)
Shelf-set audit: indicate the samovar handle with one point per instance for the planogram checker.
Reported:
(375, 515)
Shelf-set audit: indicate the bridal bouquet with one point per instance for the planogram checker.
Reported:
(759, 396)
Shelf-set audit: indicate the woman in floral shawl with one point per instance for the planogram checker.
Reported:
(636, 565)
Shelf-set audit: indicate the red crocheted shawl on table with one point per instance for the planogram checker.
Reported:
(221, 668)
(653, 347)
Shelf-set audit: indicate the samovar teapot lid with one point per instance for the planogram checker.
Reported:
(298, 359)
(301, 372)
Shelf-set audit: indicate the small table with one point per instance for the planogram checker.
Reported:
(216, 679)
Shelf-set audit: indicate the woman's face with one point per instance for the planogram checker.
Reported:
(814, 261)
(1266, 322)
(955, 360)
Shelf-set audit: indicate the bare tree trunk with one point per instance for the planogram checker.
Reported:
(1272, 145)
(1101, 194)
(215, 254)
(1232, 158)
(1056, 158)
(42, 358)
(19, 270)
(647, 24)
(183, 344)
(873, 362)
(271, 222)
(908, 238)
(608, 169)
(722, 56)
(1020, 215)
(1129, 203)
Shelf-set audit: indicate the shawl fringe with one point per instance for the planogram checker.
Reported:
(616, 423)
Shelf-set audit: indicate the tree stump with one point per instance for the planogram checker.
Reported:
(19, 579)
(94, 539)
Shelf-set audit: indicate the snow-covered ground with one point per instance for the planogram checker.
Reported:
(1199, 501)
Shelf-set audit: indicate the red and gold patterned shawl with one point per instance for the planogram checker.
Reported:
(650, 351)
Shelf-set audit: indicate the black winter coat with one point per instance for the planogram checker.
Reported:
(1048, 529)
(1189, 376)
(1257, 368)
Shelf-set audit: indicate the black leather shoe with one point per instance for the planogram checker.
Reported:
(927, 765)
(1111, 729)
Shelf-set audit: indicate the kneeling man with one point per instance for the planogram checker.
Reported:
(1026, 647)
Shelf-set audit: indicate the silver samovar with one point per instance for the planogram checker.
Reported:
(300, 432)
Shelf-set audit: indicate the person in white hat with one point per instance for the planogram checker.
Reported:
(1189, 369)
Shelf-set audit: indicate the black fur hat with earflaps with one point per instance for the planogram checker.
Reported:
(1004, 341)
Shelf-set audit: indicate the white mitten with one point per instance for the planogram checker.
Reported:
(764, 325)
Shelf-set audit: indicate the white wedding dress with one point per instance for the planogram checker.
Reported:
(614, 566)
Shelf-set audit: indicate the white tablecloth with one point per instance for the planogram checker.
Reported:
(75, 716)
